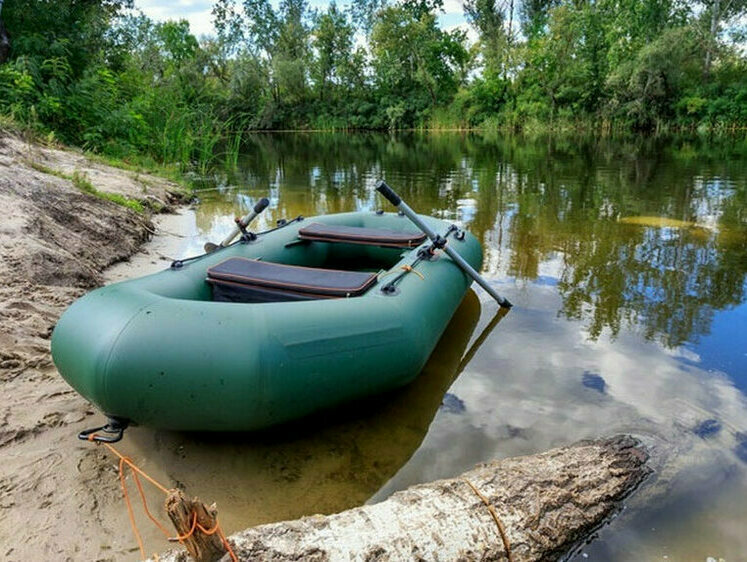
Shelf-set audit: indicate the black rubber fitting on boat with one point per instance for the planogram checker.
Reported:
(261, 205)
(112, 432)
(439, 242)
(390, 290)
(388, 192)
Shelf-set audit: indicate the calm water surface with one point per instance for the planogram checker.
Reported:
(626, 262)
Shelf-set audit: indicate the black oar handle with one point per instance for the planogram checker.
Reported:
(388, 192)
(261, 205)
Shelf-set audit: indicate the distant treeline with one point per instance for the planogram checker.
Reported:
(100, 75)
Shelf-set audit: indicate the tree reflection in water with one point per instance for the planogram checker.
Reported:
(547, 210)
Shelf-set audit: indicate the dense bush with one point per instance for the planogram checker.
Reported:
(99, 75)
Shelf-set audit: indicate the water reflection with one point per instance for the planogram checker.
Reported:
(648, 235)
(541, 382)
(627, 260)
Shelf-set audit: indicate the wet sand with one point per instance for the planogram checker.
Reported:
(59, 500)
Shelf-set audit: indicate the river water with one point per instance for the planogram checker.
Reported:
(626, 260)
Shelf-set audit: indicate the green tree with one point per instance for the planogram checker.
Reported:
(278, 38)
(534, 15)
(333, 43)
(489, 21)
(553, 76)
(417, 65)
(178, 43)
(713, 16)
(633, 24)
(643, 89)
(363, 12)
(56, 63)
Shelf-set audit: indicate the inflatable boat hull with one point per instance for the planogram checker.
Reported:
(159, 351)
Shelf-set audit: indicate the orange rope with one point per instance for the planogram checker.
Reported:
(410, 269)
(129, 510)
(180, 538)
(196, 525)
(145, 503)
(407, 268)
(136, 473)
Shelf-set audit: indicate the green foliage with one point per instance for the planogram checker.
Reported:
(495, 39)
(642, 89)
(112, 81)
(417, 65)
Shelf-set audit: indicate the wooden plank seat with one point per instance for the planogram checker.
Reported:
(357, 235)
(245, 280)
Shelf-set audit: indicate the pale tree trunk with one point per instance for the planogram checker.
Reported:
(537, 507)
(509, 41)
(711, 38)
(4, 38)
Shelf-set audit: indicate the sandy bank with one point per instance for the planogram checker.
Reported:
(56, 240)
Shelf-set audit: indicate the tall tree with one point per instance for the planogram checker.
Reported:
(534, 16)
(715, 13)
(413, 54)
(333, 42)
(633, 24)
(280, 38)
(487, 17)
(364, 12)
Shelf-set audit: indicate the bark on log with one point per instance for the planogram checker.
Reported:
(547, 504)
(182, 512)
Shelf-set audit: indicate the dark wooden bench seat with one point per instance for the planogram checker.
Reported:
(356, 235)
(244, 280)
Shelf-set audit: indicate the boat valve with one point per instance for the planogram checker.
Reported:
(113, 431)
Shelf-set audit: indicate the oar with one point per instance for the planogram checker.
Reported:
(241, 224)
(438, 241)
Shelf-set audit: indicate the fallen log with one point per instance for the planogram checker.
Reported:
(537, 507)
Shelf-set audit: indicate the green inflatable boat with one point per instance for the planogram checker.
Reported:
(283, 323)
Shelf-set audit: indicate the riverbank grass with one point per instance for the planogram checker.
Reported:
(81, 181)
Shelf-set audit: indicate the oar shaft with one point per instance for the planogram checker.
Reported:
(477, 277)
(246, 219)
(396, 200)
